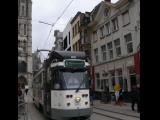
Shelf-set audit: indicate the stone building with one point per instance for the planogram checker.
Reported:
(58, 40)
(115, 37)
(25, 42)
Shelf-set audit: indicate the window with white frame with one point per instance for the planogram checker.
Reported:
(96, 55)
(102, 32)
(128, 40)
(114, 24)
(103, 51)
(108, 30)
(95, 37)
(110, 50)
(98, 80)
(117, 47)
(125, 18)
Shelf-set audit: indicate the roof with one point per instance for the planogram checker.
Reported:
(67, 55)
(75, 17)
(61, 55)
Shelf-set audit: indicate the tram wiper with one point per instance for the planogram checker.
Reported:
(80, 86)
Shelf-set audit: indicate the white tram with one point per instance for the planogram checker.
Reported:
(61, 87)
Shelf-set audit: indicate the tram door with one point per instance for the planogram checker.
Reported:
(47, 95)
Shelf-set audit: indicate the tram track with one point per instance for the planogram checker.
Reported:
(114, 115)
(116, 112)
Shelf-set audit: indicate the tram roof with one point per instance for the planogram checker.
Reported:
(61, 55)
(67, 55)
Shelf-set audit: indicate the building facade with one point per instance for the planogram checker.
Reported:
(58, 40)
(80, 34)
(67, 37)
(25, 42)
(114, 42)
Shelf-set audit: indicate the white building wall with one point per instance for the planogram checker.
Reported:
(122, 62)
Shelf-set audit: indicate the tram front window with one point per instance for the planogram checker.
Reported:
(73, 80)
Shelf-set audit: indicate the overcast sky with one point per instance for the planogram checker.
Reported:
(48, 11)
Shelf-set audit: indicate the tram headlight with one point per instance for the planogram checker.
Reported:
(77, 99)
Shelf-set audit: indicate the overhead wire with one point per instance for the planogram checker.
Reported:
(56, 22)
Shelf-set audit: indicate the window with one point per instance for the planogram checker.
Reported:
(19, 27)
(112, 77)
(125, 17)
(117, 47)
(102, 84)
(78, 26)
(95, 37)
(103, 49)
(110, 50)
(96, 55)
(25, 29)
(22, 10)
(108, 31)
(24, 46)
(128, 40)
(98, 80)
(114, 24)
(73, 31)
(102, 32)
(106, 12)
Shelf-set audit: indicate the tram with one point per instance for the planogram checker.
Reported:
(61, 86)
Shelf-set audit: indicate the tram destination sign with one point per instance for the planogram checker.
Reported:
(74, 63)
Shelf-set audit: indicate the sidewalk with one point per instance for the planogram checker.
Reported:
(28, 100)
(124, 109)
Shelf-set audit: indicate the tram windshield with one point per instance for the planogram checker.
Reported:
(73, 79)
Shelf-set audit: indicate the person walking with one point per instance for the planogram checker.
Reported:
(26, 89)
(91, 95)
(107, 93)
(120, 99)
(117, 89)
(138, 98)
(135, 97)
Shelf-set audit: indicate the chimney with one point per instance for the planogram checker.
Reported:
(108, 1)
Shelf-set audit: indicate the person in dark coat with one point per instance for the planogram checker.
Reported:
(91, 95)
(135, 97)
(120, 99)
(107, 93)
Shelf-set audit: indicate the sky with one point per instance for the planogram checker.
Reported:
(48, 11)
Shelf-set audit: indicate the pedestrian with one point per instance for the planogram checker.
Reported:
(117, 89)
(26, 89)
(107, 93)
(138, 98)
(91, 95)
(135, 97)
(120, 99)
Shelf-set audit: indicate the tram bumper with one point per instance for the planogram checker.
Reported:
(59, 113)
